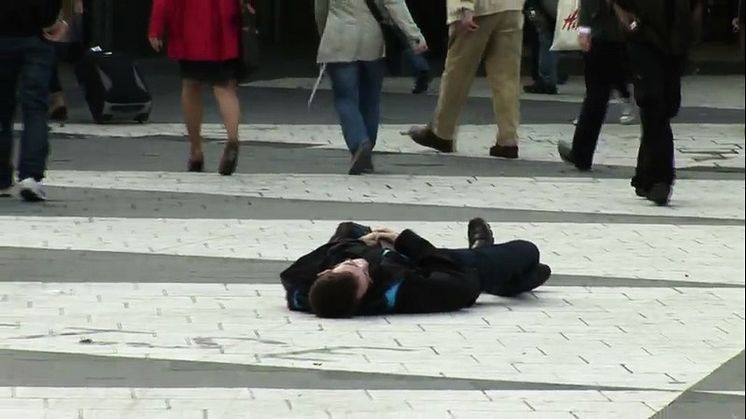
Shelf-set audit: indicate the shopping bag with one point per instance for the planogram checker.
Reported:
(566, 29)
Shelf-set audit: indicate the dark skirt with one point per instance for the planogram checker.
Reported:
(213, 72)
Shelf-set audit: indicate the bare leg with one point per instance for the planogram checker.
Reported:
(227, 97)
(191, 104)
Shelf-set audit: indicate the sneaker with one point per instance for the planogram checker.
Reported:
(628, 113)
(31, 190)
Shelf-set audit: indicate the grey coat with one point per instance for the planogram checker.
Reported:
(349, 32)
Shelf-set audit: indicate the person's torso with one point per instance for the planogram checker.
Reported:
(24, 18)
(669, 24)
(351, 32)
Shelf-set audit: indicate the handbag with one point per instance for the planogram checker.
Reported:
(248, 42)
(566, 29)
(393, 37)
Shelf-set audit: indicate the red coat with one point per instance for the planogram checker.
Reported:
(198, 30)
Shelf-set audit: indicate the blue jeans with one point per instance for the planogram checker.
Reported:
(500, 267)
(26, 66)
(548, 60)
(418, 62)
(357, 97)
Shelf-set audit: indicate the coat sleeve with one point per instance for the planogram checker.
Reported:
(158, 18)
(298, 278)
(321, 11)
(401, 16)
(443, 290)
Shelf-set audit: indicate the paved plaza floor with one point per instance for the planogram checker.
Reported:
(142, 291)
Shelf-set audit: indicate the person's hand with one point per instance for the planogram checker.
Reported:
(156, 44)
(421, 47)
(56, 32)
(370, 239)
(736, 25)
(467, 24)
(584, 40)
(78, 7)
(386, 234)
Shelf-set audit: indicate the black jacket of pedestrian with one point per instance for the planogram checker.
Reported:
(673, 26)
(24, 18)
(414, 277)
(599, 16)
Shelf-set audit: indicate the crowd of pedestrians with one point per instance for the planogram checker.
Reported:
(645, 41)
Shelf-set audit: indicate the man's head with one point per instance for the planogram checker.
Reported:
(337, 292)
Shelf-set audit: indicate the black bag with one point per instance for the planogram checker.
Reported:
(248, 42)
(393, 37)
(113, 87)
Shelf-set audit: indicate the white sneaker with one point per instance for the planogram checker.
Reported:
(628, 113)
(31, 190)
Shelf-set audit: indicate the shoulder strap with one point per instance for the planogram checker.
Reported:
(375, 11)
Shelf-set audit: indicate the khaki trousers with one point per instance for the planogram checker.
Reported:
(498, 42)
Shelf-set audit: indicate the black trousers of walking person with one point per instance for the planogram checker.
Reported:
(606, 69)
(657, 81)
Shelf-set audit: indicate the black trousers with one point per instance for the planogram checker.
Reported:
(657, 79)
(606, 69)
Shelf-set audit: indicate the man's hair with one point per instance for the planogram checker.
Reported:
(334, 295)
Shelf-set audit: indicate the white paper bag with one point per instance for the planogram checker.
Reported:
(566, 29)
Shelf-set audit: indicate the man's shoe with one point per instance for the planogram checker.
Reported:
(479, 233)
(362, 160)
(540, 89)
(565, 152)
(660, 194)
(425, 136)
(506, 152)
(422, 83)
(537, 278)
(31, 190)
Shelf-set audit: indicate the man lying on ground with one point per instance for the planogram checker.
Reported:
(366, 272)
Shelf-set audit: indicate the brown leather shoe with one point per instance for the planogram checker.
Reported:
(506, 152)
(425, 136)
(229, 161)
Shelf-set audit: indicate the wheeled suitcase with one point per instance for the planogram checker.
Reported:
(113, 87)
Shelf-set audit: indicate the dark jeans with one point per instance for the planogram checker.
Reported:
(357, 98)
(548, 59)
(26, 66)
(502, 268)
(418, 62)
(657, 78)
(605, 70)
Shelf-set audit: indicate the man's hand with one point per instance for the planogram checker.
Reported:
(421, 47)
(56, 32)
(584, 40)
(736, 25)
(467, 24)
(78, 7)
(370, 239)
(386, 235)
(156, 44)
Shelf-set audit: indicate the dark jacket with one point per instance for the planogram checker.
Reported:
(414, 277)
(671, 25)
(24, 18)
(599, 16)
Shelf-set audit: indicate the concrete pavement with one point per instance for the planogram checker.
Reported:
(141, 291)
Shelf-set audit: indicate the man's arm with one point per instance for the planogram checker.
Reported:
(437, 291)
(321, 11)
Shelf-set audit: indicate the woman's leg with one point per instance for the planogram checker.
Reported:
(227, 98)
(230, 108)
(191, 104)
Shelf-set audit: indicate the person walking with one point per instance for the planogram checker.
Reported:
(352, 48)
(659, 35)
(72, 11)
(203, 36)
(606, 69)
(489, 30)
(545, 12)
(26, 59)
